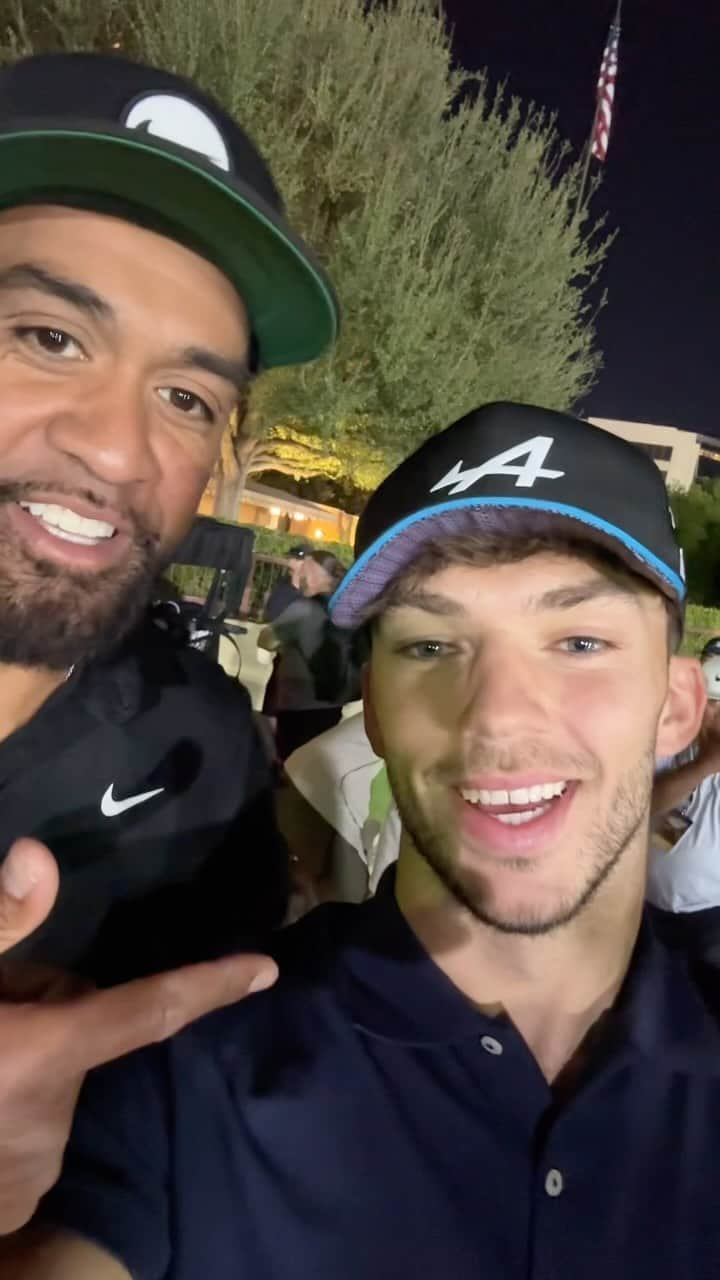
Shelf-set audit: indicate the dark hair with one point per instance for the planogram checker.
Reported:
(711, 649)
(330, 563)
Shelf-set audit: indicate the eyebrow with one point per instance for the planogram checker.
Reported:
(28, 275)
(557, 598)
(429, 602)
(237, 372)
(596, 588)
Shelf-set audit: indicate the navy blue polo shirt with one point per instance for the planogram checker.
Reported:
(362, 1121)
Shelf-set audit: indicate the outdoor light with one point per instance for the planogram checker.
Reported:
(319, 533)
(275, 511)
(298, 515)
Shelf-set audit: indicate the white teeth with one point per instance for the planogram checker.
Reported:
(79, 538)
(67, 524)
(517, 819)
(520, 795)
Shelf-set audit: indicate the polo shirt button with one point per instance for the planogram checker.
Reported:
(554, 1183)
(491, 1045)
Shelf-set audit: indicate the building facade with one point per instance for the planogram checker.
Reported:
(274, 509)
(682, 456)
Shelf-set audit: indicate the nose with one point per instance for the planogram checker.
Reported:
(107, 430)
(505, 695)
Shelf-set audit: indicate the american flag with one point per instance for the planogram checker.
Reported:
(606, 91)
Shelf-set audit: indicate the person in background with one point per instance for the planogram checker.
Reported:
(316, 673)
(287, 588)
(337, 814)
(283, 593)
(684, 871)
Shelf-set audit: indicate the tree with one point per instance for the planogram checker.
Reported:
(697, 517)
(443, 209)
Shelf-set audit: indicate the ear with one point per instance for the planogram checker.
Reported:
(683, 709)
(372, 728)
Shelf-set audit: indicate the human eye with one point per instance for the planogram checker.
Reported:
(46, 340)
(187, 403)
(427, 650)
(580, 645)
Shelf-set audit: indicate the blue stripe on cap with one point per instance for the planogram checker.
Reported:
(663, 570)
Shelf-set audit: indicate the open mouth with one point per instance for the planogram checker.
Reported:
(67, 525)
(516, 821)
(70, 535)
(515, 808)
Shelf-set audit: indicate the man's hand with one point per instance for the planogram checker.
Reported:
(52, 1032)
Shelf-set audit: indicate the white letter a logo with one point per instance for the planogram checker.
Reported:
(534, 451)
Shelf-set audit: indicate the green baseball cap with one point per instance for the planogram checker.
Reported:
(109, 135)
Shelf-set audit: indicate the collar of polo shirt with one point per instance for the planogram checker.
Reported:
(656, 1015)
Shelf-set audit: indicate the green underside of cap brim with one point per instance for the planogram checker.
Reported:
(292, 309)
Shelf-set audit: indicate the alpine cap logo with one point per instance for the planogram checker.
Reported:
(176, 119)
(534, 452)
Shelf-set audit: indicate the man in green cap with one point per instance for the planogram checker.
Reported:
(146, 274)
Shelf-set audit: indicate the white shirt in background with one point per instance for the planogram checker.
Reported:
(339, 774)
(687, 876)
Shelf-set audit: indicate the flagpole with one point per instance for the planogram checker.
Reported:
(588, 149)
(586, 165)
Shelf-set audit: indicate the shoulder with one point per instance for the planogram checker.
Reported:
(332, 755)
(158, 692)
(709, 786)
(694, 933)
(309, 955)
(206, 679)
(281, 597)
(183, 673)
(299, 610)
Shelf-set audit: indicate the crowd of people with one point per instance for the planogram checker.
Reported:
(491, 1046)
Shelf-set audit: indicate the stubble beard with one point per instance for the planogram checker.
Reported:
(53, 618)
(602, 850)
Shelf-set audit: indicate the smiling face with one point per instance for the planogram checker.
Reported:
(120, 358)
(520, 708)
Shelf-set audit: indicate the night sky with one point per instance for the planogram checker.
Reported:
(659, 332)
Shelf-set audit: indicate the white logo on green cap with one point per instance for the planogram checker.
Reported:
(168, 116)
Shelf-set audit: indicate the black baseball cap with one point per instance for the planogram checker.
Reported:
(106, 134)
(507, 468)
(711, 649)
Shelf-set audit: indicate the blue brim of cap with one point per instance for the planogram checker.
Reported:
(399, 545)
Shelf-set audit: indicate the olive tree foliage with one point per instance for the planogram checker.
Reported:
(443, 208)
(697, 518)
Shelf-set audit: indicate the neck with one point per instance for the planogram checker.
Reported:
(23, 690)
(554, 987)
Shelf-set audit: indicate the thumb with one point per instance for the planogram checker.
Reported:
(29, 882)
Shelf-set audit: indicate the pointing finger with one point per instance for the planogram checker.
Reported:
(103, 1025)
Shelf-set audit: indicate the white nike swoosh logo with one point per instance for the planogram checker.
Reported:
(110, 807)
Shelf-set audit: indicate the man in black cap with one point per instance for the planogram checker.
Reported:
(146, 272)
(285, 592)
(494, 1067)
